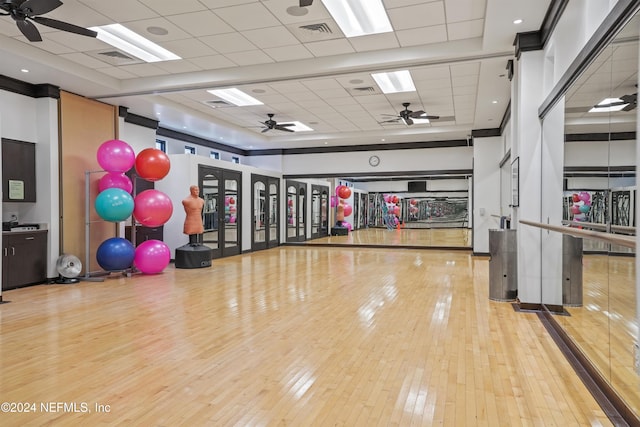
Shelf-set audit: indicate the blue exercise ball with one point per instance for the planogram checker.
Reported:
(114, 204)
(115, 254)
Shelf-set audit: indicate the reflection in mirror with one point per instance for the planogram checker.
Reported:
(210, 193)
(273, 213)
(302, 224)
(231, 218)
(599, 194)
(315, 212)
(292, 213)
(259, 201)
(324, 213)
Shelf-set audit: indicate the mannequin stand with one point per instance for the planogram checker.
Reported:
(194, 254)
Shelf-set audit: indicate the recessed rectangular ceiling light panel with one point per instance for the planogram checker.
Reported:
(359, 17)
(297, 126)
(235, 96)
(133, 43)
(608, 105)
(397, 81)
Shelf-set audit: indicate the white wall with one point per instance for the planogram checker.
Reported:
(600, 153)
(176, 146)
(425, 159)
(487, 153)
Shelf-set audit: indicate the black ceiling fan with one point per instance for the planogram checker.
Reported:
(272, 124)
(407, 115)
(305, 3)
(25, 11)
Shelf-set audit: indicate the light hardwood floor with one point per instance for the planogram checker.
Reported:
(295, 336)
(438, 237)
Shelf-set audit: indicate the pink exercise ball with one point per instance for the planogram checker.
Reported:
(116, 156)
(152, 257)
(152, 164)
(347, 209)
(152, 208)
(115, 180)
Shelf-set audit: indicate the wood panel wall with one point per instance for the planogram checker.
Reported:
(84, 125)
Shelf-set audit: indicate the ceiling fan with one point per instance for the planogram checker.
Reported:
(272, 124)
(25, 11)
(407, 115)
(305, 3)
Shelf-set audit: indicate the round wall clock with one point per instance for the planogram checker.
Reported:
(374, 161)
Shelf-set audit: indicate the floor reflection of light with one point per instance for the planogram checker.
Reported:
(418, 261)
(233, 306)
(451, 263)
(592, 307)
(300, 387)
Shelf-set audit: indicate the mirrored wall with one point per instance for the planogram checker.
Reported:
(599, 192)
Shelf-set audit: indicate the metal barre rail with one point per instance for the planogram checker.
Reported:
(603, 227)
(616, 239)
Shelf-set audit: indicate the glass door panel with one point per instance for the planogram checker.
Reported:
(273, 210)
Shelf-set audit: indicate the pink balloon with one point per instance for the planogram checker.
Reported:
(115, 180)
(584, 196)
(152, 208)
(232, 219)
(334, 201)
(116, 156)
(347, 225)
(575, 209)
(338, 189)
(347, 209)
(152, 257)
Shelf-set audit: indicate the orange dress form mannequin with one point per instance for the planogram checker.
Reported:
(193, 225)
(340, 213)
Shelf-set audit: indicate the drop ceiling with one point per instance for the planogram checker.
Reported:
(295, 60)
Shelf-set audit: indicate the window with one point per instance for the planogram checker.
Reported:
(235, 160)
(214, 155)
(161, 145)
(189, 150)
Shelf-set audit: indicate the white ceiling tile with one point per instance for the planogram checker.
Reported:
(288, 12)
(465, 90)
(330, 47)
(429, 73)
(203, 23)
(420, 36)
(189, 48)
(336, 102)
(117, 73)
(330, 94)
(85, 60)
(227, 43)
(434, 84)
(173, 7)
(247, 16)
(51, 46)
(213, 4)
(470, 68)
(144, 70)
(466, 80)
(249, 57)
(178, 66)
(465, 30)
(75, 42)
(374, 42)
(288, 53)
(78, 14)
(421, 15)
(289, 87)
(392, 4)
(121, 10)
(322, 84)
(212, 62)
(271, 37)
(465, 10)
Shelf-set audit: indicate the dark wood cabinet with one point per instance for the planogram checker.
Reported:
(24, 258)
(18, 171)
(144, 233)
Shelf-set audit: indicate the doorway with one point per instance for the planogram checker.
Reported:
(265, 204)
(296, 211)
(319, 211)
(220, 189)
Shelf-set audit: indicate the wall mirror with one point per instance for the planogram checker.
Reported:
(599, 192)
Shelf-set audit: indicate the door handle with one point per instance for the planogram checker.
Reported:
(13, 250)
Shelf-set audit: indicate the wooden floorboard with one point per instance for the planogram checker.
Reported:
(292, 336)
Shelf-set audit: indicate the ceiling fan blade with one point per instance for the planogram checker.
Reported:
(417, 114)
(305, 3)
(430, 117)
(408, 121)
(265, 130)
(282, 127)
(64, 26)
(390, 121)
(39, 7)
(29, 30)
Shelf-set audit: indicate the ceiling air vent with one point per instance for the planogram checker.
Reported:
(114, 57)
(216, 103)
(364, 90)
(315, 31)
